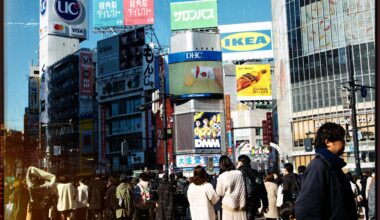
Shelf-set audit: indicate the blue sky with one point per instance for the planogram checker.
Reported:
(22, 40)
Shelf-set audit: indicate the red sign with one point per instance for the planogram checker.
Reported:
(160, 153)
(138, 12)
(85, 77)
(229, 151)
(265, 133)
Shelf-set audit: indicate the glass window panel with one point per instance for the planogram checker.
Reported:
(317, 66)
(356, 60)
(330, 69)
(364, 58)
(300, 69)
(122, 107)
(343, 62)
(289, 15)
(292, 17)
(336, 62)
(341, 31)
(297, 13)
(306, 68)
(323, 64)
(371, 57)
(114, 109)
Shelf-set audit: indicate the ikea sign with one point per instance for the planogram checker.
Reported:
(246, 41)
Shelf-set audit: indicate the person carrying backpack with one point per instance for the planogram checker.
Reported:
(142, 199)
(255, 189)
(125, 199)
(290, 184)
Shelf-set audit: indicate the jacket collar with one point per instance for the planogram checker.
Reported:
(333, 159)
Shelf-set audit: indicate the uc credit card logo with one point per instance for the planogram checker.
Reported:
(246, 41)
(68, 10)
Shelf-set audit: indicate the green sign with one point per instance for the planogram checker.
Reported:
(193, 14)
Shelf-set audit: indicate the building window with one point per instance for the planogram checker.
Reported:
(258, 131)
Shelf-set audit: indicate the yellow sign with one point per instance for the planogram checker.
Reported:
(253, 82)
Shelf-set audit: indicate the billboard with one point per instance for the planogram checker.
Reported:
(121, 52)
(193, 14)
(85, 73)
(66, 18)
(195, 72)
(253, 82)
(130, 48)
(246, 41)
(207, 130)
(111, 13)
(138, 12)
(107, 13)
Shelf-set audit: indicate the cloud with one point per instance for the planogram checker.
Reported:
(23, 23)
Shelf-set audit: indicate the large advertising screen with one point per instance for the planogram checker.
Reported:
(64, 17)
(193, 14)
(195, 73)
(207, 130)
(246, 41)
(85, 71)
(253, 82)
(121, 52)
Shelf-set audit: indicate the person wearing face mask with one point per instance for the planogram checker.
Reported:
(326, 192)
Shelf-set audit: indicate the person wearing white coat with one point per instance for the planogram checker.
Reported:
(67, 194)
(271, 188)
(202, 196)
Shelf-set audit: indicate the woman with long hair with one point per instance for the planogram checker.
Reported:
(231, 187)
(201, 196)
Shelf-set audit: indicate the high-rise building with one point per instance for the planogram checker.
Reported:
(311, 39)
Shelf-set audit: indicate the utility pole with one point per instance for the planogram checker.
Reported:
(164, 122)
(352, 85)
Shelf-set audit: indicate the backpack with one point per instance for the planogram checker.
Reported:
(144, 200)
(250, 184)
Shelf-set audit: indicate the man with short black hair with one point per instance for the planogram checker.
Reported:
(326, 192)
(290, 184)
(255, 188)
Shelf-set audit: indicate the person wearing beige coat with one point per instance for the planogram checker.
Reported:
(271, 188)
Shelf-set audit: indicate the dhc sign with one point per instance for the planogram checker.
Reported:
(68, 10)
(247, 41)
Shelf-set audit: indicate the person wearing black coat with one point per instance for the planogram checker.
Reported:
(290, 184)
(259, 192)
(96, 194)
(326, 192)
(165, 209)
(111, 203)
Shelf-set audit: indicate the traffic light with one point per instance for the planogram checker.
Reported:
(210, 164)
(308, 145)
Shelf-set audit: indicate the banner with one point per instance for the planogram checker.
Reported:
(138, 12)
(184, 161)
(207, 130)
(199, 55)
(148, 68)
(253, 82)
(193, 14)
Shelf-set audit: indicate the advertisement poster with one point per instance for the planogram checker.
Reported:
(198, 77)
(107, 13)
(108, 56)
(193, 14)
(137, 12)
(207, 130)
(185, 161)
(253, 82)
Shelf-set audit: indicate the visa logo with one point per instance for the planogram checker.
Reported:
(245, 41)
(77, 31)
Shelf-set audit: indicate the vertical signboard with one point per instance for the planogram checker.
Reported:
(193, 14)
(227, 99)
(253, 82)
(269, 127)
(107, 13)
(265, 133)
(148, 68)
(138, 12)
(85, 71)
(33, 95)
(207, 130)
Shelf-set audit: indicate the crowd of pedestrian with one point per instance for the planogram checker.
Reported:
(319, 191)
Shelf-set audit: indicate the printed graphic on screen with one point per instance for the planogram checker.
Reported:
(207, 130)
(253, 82)
(196, 77)
(131, 48)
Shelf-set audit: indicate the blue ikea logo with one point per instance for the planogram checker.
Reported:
(246, 41)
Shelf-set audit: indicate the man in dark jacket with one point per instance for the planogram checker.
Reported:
(326, 192)
(254, 187)
(290, 184)
(96, 194)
